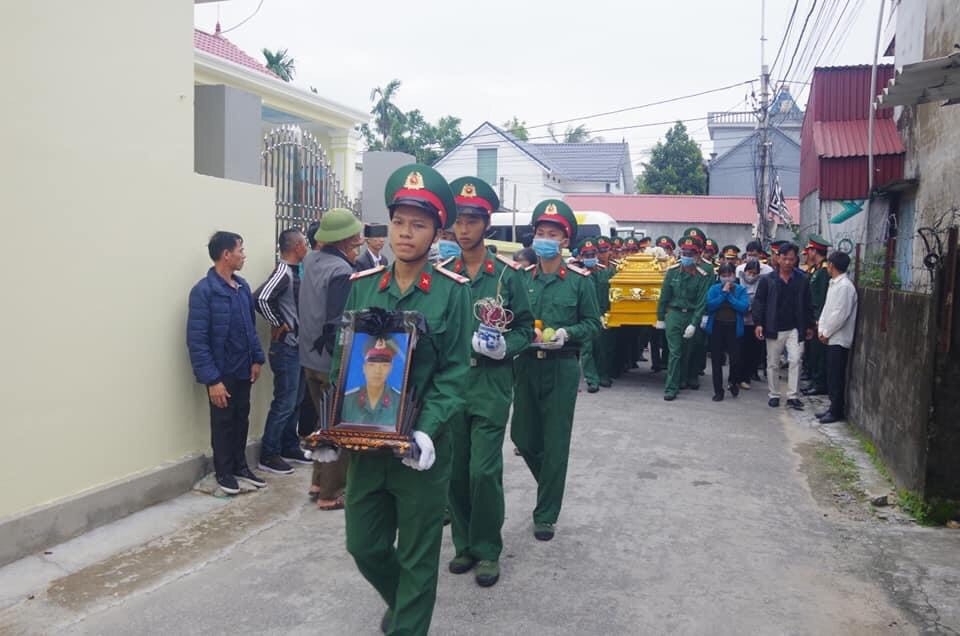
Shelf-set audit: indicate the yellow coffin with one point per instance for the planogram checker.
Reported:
(635, 290)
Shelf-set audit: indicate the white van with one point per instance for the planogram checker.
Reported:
(589, 223)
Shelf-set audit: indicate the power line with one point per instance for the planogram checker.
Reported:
(244, 21)
(786, 34)
(803, 30)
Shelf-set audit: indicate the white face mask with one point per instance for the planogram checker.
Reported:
(726, 279)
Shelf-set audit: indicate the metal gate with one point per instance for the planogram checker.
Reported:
(295, 165)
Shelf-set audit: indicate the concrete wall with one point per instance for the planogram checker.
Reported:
(931, 132)
(943, 467)
(722, 233)
(227, 133)
(891, 375)
(105, 231)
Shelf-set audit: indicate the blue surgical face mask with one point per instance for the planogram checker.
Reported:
(590, 262)
(546, 248)
(688, 261)
(448, 249)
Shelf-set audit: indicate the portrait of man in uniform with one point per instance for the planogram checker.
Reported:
(372, 394)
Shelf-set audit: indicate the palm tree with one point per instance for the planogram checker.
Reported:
(385, 112)
(280, 63)
(578, 135)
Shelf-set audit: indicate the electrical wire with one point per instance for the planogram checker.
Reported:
(786, 34)
(803, 30)
(244, 21)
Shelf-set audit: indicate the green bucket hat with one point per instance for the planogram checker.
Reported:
(336, 225)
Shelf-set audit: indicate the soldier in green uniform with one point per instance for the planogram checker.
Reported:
(376, 403)
(591, 353)
(476, 483)
(683, 300)
(659, 351)
(564, 299)
(730, 254)
(607, 342)
(616, 250)
(394, 509)
(710, 251)
(816, 252)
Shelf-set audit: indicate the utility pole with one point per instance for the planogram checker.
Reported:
(762, 186)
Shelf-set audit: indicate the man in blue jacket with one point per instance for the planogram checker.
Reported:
(226, 357)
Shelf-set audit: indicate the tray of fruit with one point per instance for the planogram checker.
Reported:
(543, 338)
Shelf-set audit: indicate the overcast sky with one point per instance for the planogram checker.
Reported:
(546, 61)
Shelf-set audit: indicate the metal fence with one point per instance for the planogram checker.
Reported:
(295, 165)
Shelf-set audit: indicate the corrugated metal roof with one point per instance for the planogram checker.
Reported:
(222, 47)
(599, 162)
(845, 178)
(834, 139)
(930, 80)
(841, 93)
(673, 208)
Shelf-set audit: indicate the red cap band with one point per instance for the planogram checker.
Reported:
(558, 219)
(424, 195)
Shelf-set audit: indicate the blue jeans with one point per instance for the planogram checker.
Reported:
(280, 431)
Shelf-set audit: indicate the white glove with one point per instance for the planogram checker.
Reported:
(427, 453)
(561, 336)
(660, 325)
(324, 454)
(498, 352)
(703, 322)
(689, 331)
(559, 339)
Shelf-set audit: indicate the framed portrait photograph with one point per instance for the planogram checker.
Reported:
(373, 407)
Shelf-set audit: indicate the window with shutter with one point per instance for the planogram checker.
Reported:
(487, 165)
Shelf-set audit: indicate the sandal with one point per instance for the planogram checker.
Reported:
(336, 505)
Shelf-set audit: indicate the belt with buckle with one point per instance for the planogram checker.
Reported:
(544, 354)
(680, 309)
(484, 361)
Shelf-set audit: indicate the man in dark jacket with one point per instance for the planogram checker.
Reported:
(375, 235)
(226, 357)
(783, 315)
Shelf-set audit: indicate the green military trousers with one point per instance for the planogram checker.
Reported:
(546, 395)
(608, 345)
(680, 369)
(590, 361)
(698, 354)
(384, 498)
(476, 478)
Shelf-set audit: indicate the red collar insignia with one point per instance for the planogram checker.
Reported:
(562, 273)
(488, 267)
(386, 398)
(458, 266)
(385, 280)
(424, 284)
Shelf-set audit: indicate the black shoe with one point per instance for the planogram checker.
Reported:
(461, 564)
(670, 397)
(488, 573)
(693, 386)
(773, 402)
(795, 404)
(386, 620)
(228, 484)
(297, 455)
(247, 475)
(592, 388)
(543, 531)
(276, 465)
(717, 397)
(814, 391)
(829, 418)
(606, 384)
(734, 389)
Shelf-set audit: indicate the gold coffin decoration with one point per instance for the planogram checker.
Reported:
(635, 290)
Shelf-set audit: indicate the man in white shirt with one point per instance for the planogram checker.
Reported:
(836, 326)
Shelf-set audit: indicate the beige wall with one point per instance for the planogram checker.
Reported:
(104, 230)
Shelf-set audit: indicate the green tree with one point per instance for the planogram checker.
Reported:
(675, 166)
(578, 134)
(517, 128)
(408, 132)
(280, 63)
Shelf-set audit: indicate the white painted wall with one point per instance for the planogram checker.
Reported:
(104, 231)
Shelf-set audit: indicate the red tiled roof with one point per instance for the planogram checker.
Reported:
(835, 139)
(222, 47)
(673, 208)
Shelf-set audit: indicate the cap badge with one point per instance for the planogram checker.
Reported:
(468, 191)
(414, 181)
(551, 209)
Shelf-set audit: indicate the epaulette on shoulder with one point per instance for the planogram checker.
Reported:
(367, 272)
(509, 262)
(446, 262)
(578, 269)
(601, 266)
(676, 265)
(452, 275)
(702, 271)
(530, 267)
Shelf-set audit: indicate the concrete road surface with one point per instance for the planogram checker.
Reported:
(688, 517)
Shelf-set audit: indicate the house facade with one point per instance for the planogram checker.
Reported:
(734, 164)
(525, 173)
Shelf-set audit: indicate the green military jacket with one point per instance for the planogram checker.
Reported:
(442, 357)
(567, 299)
(501, 276)
(600, 277)
(358, 409)
(819, 284)
(684, 291)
